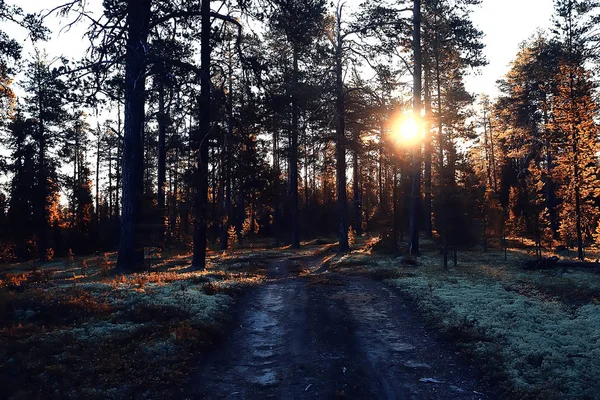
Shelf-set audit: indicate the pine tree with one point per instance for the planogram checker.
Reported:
(20, 214)
(577, 166)
(45, 104)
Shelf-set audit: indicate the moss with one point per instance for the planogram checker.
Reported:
(545, 347)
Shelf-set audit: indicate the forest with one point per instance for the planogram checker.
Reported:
(209, 179)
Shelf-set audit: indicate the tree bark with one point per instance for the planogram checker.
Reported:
(428, 158)
(442, 185)
(162, 162)
(131, 248)
(199, 258)
(341, 146)
(356, 200)
(416, 153)
(293, 156)
(97, 200)
(228, 208)
(43, 183)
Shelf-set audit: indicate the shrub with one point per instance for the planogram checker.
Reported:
(351, 237)
(210, 288)
(232, 237)
(103, 264)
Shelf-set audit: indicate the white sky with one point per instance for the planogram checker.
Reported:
(506, 23)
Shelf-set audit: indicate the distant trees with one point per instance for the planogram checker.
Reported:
(45, 104)
(273, 119)
(546, 137)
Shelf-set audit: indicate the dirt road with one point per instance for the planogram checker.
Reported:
(345, 337)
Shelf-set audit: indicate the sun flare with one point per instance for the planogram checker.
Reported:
(406, 130)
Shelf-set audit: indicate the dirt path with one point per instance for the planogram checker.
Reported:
(305, 338)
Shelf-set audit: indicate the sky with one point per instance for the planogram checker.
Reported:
(505, 23)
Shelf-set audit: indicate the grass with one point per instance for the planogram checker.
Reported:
(538, 331)
(70, 330)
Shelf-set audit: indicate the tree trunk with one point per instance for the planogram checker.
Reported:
(228, 208)
(75, 179)
(110, 188)
(43, 187)
(341, 146)
(380, 170)
(441, 215)
(97, 199)
(293, 155)
(356, 194)
(118, 164)
(199, 258)
(162, 162)
(493, 156)
(416, 153)
(131, 248)
(396, 211)
(576, 178)
(428, 158)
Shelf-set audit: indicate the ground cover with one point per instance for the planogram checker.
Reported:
(537, 331)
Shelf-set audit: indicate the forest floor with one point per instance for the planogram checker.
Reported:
(535, 333)
(72, 329)
(278, 323)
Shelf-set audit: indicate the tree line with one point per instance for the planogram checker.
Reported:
(220, 122)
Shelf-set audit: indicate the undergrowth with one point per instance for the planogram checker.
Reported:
(73, 330)
(537, 331)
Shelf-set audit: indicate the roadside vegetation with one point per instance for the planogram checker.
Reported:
(537, 331)
(73, 328)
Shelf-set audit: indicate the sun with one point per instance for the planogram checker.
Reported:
(406, 130)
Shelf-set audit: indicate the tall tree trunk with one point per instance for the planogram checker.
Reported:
(131, 247)
(306, 176)
(380, 171)
(228, 204)
(441, 215)
(486, 145)
(97, 209)
(110, 188)
(578, 227)
(277, 169)
(118, 164)
(42, 186)
(293, 155)
(416, 153)
(162, 161)
(174, 196)
(341, 145)
(428, 157)
(493, 156)
(75, 179)
(356, 194)
(199, 258)
(396, 210)
(577, 189)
